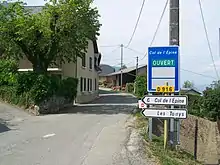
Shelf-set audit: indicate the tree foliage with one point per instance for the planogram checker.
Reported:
(188, 84)
(140, 86)
(211, 102)
(60, 32)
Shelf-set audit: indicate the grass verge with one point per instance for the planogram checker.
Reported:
(165, 157)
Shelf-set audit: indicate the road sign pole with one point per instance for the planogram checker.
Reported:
(150, 125)
(165, 127)
(172, 128)
(178, 132)
(174, 40)
(165, 133)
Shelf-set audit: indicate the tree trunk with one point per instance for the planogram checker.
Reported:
(40, 67)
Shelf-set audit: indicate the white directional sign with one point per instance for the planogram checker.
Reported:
(165, 113)
(165, 100)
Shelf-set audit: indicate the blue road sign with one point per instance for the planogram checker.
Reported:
(163, 66)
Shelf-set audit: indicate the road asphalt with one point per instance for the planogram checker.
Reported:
(90, 134)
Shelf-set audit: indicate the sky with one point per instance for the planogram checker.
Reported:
(118, 18)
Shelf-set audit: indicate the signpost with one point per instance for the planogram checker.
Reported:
(163, 66)
(163, 77)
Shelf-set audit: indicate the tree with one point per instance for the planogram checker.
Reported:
(188, 84)
(123, 67)
(60, 32)
(211, 103)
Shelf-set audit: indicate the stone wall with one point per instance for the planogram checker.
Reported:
(207, 149)
(50, 106)
(208, 137)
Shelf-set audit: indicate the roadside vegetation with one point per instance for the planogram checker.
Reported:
(156, 149)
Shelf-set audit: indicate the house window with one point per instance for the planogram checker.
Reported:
(81, 84)
(95, 62)
(84, 60)
(84, 84)
(90, 62)
(95, 85)
(90, 84)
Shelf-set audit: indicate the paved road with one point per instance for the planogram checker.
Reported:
(92, 134)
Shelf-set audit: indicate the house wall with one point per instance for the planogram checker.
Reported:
(69, 70)
(24, 63)
(85, 72)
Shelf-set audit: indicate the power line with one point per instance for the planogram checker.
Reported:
(198, 73)
(135, 51)
(114, 50)
(207, 38)
(136, 25)
(108, 46)
(158, 25)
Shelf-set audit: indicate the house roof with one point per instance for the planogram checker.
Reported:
(34, 9)
(191, 89)
(127, 70)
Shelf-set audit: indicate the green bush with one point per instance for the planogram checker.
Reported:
(194, 105)
(211, 103)
(29, 88)
(68, 88)
(130, 87)
(140, 86)
(8, 94)
(8, 71)
(41, 87)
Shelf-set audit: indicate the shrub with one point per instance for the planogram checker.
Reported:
(130, 87)
(8, 71)
(68, 88)
(140, 86)
(211, 103)
(194, 105)
(8, 94)
(41, 87)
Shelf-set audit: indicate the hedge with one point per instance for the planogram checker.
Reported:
(140, 86)
(130, 87)
(29, 88)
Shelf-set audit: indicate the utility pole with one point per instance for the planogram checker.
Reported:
(136, 66)
(122, 46)
(135, 86)
(174, 40)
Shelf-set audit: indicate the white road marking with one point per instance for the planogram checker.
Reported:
(49, 135)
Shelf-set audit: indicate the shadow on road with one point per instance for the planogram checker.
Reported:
(115, 99)
(3, 126)
(101, 109)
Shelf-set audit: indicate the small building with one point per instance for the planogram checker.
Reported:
(191, 91)
(128, 75)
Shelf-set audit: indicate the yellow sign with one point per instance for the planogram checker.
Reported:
(165, 89)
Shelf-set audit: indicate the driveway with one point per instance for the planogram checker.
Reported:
(89, 134)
